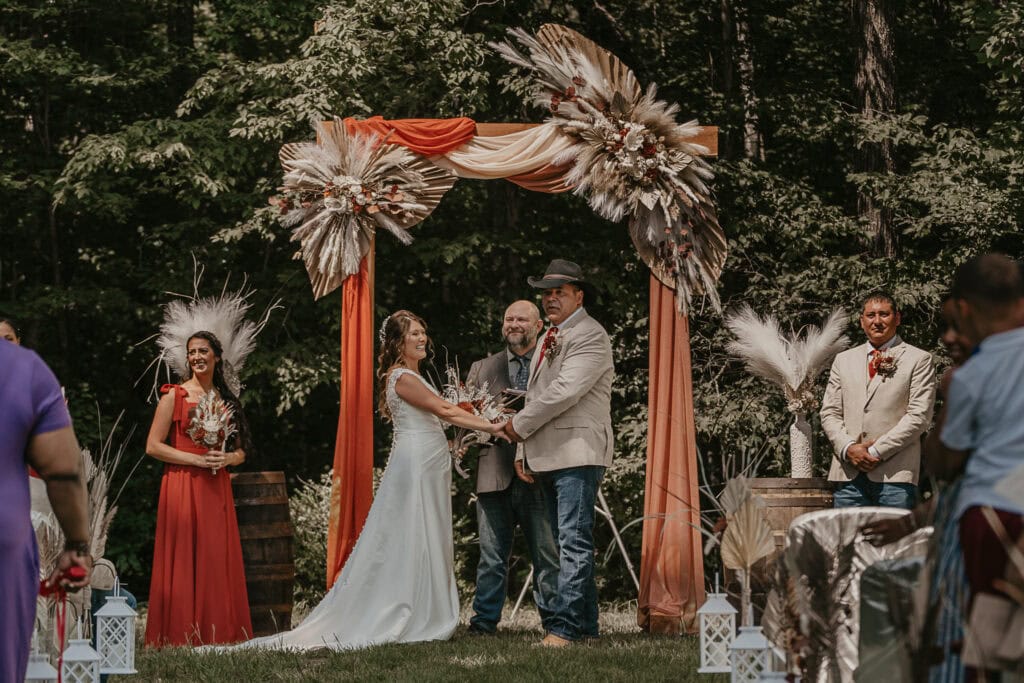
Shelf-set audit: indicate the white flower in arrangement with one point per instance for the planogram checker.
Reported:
(337, 205)
(634, 137)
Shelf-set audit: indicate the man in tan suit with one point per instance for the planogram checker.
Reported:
(565, 430)
(878, 403)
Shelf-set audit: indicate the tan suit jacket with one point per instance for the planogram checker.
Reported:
(894, 411)
(567, 419)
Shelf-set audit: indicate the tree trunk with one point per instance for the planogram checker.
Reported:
(726, 67)
(753, 142)
(875, 83)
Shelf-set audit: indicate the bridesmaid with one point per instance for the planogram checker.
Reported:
(197, 594)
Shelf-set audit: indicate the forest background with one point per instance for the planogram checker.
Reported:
(863, 144)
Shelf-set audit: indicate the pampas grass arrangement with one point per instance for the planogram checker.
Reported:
(790, 362)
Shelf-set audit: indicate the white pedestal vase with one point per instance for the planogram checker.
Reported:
(800, 450)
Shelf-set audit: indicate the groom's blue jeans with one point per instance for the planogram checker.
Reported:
(497, 514)
(571, 494)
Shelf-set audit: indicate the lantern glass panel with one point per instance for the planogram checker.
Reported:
(39, 669)
(81, 663)
(115, 636)
(747, 665)
(716, 635)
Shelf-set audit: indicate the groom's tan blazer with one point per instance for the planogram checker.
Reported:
(894, 411)
(567, 419)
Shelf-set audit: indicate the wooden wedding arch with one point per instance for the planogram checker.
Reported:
(540, 158)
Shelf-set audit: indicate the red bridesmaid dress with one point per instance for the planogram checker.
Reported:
(197, 593)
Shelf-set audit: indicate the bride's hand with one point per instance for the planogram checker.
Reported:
(498, 429)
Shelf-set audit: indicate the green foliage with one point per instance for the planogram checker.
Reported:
(135, 137)
(310, 508)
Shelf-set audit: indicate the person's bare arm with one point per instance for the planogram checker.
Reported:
(415, 393)
(58, 460)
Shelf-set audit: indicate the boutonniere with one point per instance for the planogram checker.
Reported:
(552, 345)
(884, 365)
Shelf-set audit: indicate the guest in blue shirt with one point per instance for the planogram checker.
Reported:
(980, 430)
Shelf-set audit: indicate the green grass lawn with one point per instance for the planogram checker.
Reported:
(623, 654)
(509, 656)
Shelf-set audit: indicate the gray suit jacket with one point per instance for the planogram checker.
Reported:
(567, 419)
(894, 411)
(494, 467)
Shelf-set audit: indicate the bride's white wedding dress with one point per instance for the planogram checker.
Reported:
(398, 585)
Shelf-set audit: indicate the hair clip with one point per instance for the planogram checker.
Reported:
(383, 327)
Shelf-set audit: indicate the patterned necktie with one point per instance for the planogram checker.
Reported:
(872, 370)
(522, 374)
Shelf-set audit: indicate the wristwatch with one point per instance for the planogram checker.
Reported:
(78, 547)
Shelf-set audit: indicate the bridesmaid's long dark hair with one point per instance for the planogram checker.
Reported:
(241, 439)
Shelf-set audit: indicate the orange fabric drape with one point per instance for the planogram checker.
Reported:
(671, 559)
(423, 136)
(548, 178)
(352, 484)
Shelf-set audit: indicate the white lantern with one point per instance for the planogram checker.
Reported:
(39, 669)
(81, 662)
(717, 629)
(750, 655)
(115, 634)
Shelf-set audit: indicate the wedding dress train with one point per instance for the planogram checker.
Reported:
(398, 585)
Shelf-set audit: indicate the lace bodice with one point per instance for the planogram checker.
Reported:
(405, 417)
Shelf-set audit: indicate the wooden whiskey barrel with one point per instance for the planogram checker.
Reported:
(261, 503)
(786, 499)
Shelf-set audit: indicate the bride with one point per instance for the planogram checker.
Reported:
(398, 585)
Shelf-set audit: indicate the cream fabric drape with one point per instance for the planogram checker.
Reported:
(502, 156)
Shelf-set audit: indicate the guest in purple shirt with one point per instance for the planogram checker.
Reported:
(35, 429)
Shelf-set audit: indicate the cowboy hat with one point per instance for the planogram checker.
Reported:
(561, 272)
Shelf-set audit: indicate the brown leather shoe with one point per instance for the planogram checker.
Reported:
(551, 640)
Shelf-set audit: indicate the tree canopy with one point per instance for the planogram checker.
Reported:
(139, 136)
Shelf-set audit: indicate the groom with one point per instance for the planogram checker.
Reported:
(567, 439)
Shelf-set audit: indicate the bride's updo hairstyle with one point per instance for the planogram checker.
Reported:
(391, 337)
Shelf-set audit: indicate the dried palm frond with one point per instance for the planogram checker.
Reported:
(821, 611)
(49, 539)
(99, 472)
(631, 158)
(735, 493)
(337, 192)
(741, 464)
(747, 539)
(780, 620)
